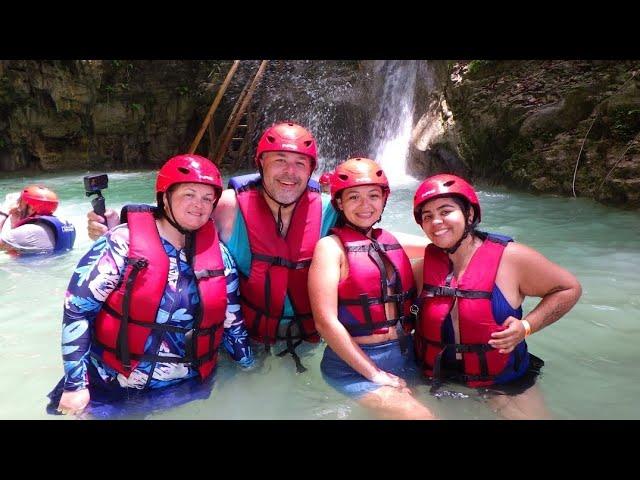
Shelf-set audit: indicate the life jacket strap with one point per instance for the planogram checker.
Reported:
(446, 291)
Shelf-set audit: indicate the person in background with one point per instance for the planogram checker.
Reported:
(33, 226)
(148, 306)
(325, 182)
(470, 325)
(361, 288)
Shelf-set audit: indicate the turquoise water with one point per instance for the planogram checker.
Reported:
(591, 354)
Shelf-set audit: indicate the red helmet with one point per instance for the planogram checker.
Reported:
(444, 185)
(188, 168)
(288, 137)
(325, 179)
(42, 200)
(355, 172)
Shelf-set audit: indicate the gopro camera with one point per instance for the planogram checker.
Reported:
(93, 185)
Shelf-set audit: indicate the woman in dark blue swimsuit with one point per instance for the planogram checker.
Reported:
(470, 324)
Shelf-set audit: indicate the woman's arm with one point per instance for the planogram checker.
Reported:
(417, 266)
(413, 245)
(235, 337)
(535, 276)
(95, 277)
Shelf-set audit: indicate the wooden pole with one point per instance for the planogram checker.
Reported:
(224, 143)
(214, 106)
(231, 118)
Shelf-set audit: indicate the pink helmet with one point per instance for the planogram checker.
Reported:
(325, 179)
(444, 185)
(288, 137)
(42, 200)
(188, 168)
(355, 172)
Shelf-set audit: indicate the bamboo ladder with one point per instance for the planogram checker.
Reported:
(233, 122)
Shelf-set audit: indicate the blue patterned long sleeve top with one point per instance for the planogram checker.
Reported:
(98, 274)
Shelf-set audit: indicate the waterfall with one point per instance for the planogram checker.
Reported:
(318, 94)
(349, 111)
(393, 122)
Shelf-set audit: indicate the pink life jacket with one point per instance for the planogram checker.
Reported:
(482, 363)
(279, 265)
(362, 295)
(129, 313)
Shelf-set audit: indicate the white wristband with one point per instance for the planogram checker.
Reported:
(527, 328)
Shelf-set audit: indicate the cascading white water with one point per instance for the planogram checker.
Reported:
(393, 122)
(306, 92)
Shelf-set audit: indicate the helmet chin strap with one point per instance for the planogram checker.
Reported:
(465, 234)
(363, 231)
(171, 218)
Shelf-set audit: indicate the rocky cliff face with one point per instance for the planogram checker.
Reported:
(528, 123)
(130, 114)
(525, 123)
(86, 114)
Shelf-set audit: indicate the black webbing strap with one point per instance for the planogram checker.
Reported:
(479, 349)
(446, 291)
(162, 327)
(282, 262)
(291, 348)
(190, 345)
(200, 274)
(122, 343)
(382, 247)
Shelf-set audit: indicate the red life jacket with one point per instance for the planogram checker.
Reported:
(129, 313)
(279, 266)
(481, 362)
(362, 295)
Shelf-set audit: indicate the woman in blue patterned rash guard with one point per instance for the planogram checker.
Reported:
(148, 306)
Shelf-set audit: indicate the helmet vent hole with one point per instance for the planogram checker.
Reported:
(271, 139)
(449, 183)
(379, 173)
(343, 177)
(183, 170)
(308, 143)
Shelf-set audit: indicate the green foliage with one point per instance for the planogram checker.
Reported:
(136, 107)
(182, 90)
(625, 123)
(475, 66)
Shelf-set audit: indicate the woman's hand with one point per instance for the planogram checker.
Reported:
(507, 339)
(74, 402)
(385, 378)
(96, 228)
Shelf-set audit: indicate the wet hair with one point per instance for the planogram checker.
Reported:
(158, 212)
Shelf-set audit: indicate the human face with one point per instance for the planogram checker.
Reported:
(285, 175)
(362, 205)
(192, 204)
(443, 221)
